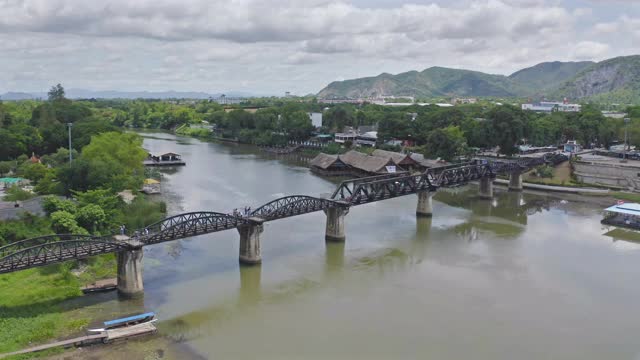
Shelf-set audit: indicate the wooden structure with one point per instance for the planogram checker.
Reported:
(404, 160)
(168, 159)
(105, 337)
(100, 285)
(365, 165)
(329, 165)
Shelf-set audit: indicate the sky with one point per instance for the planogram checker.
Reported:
(268, 47)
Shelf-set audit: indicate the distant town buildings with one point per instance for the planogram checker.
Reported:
(572, 146)
(551, 106)
(457, 101)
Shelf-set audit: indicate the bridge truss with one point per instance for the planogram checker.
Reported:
(50, 249)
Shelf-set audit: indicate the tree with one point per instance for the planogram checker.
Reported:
(63, 222)
(56, 93)
(51, 204)
(5, 168)
(91, 216)
(506, 128)
(446, 143)
(115, 160)
(297, 125)
(394, 126)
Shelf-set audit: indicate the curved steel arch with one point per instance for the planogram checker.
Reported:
(41, 240)
(188, 224)
(291, 206)
(59, 251)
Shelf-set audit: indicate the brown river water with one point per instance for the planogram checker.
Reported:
(522, 276)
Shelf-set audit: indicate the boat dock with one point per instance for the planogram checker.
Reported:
(168, 159)
(100, 285)
(104, 337)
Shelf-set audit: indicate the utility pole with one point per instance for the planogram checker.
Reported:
(69, 125)
(626, 138)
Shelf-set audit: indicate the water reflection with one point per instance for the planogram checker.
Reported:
(483, 279)
(250, 285)
(334, 258)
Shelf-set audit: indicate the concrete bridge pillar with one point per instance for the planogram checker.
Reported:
(515, 181)
(130, 268)
(425, 206)
(486, 188)
(250, 242)
(335, 223)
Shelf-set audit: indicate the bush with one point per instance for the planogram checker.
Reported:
(52, 204)
(544, 171)
(332, 148)
(15, 193)
(396, 148)
(64, 222)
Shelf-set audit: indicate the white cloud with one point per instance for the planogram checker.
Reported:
(590, 50)
(606, 28)
(215, 45)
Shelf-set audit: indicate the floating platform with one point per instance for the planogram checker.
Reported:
(164, 163)
(105, 337)
(100, 286)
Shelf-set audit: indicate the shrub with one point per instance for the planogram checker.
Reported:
(52, 204)
(544, 171)
(15, 193)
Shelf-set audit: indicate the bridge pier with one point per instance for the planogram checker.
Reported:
(425, 206)
(335, 223)
(485, 191)
(515, 181)
(130, 268)
(250, 242)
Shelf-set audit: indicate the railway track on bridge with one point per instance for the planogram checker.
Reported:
(57, 248)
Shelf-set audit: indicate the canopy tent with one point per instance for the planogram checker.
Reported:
(9, 180)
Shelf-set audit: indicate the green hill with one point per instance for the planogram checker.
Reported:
(432, 82)
(614, 80)
(548, 75)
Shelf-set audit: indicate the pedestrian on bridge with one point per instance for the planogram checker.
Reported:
(123, 229)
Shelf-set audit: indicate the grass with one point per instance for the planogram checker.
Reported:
(626, 196)
(30, 310)
(31, 303)
(195, 132)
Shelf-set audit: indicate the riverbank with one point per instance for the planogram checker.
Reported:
(32, 303)
(39, 305)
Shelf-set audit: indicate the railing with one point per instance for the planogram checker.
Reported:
(56, 248)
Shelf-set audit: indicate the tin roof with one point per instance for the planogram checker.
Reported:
(625, 208)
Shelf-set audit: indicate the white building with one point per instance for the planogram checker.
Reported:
(341, 138)
(551, 106)
(367, 139)
(316, 119)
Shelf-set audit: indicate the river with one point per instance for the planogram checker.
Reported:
(524, 276)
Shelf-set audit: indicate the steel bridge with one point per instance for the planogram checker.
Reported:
(56, 248)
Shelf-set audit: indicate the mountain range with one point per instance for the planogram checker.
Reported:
(112, 94)
(613, 80)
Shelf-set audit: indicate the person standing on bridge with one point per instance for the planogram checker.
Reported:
(123, 229)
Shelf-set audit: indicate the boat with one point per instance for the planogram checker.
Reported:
(129, 321)
(625, 215)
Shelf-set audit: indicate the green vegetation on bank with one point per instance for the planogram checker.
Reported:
(105, 162)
